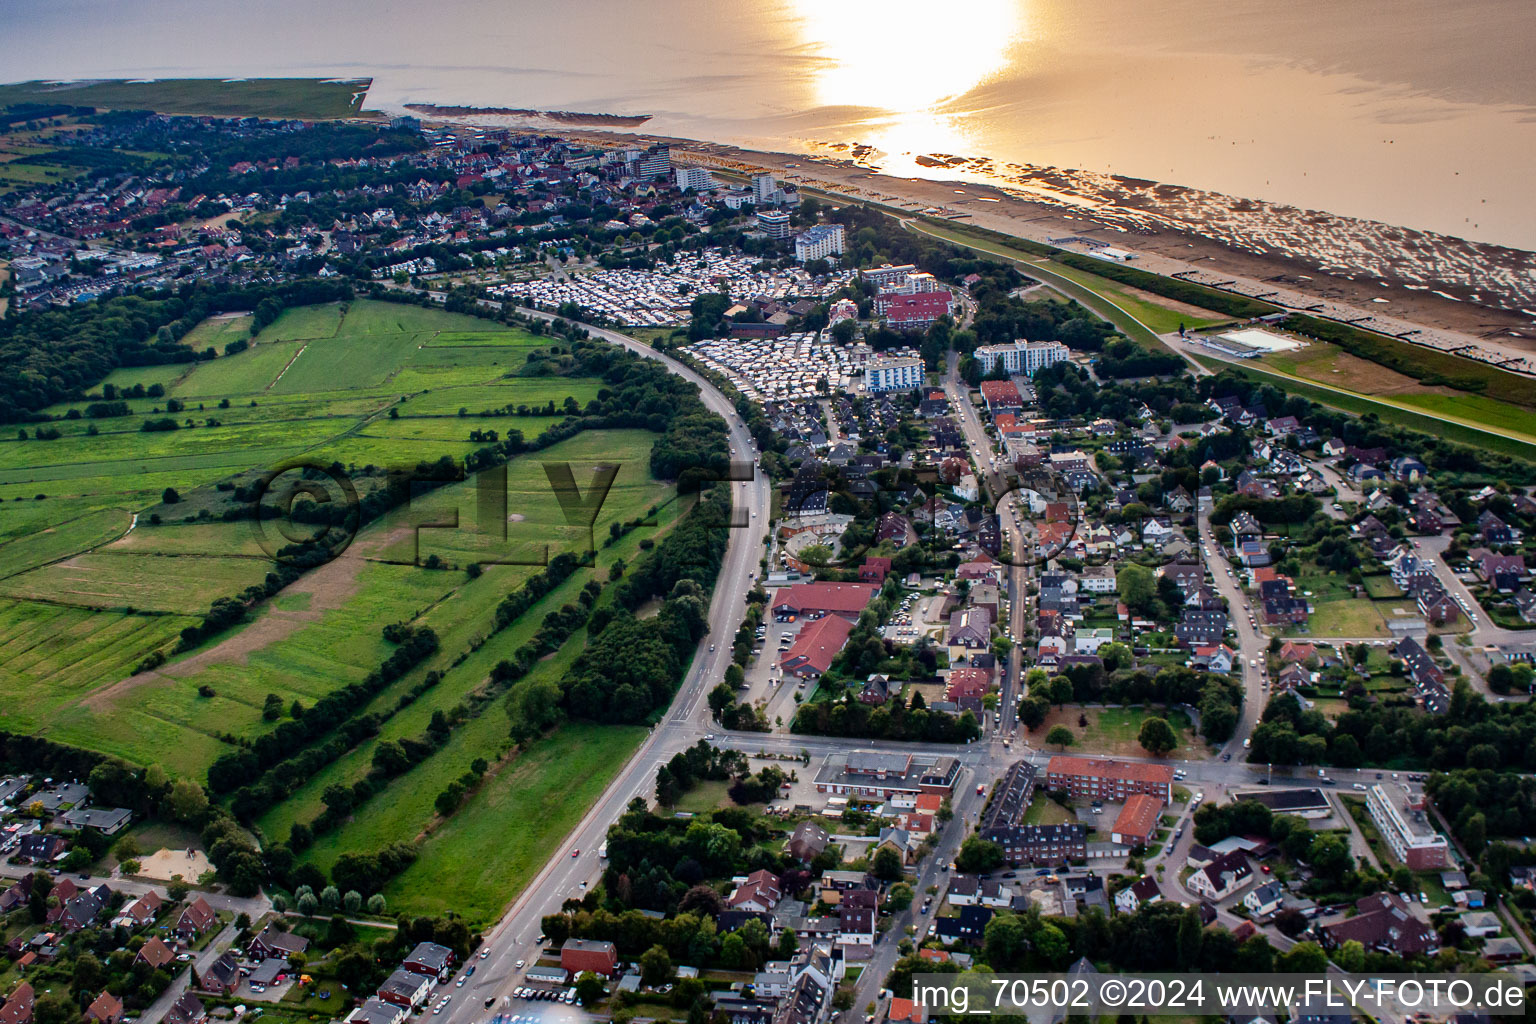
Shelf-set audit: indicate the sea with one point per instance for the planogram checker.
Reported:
(1417, 113)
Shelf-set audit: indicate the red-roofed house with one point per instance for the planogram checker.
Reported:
(105, 1009)
(1137, 823)
(759, 893)
(813, 650)
(874, 570)
(18, 1008)
(1001, 394)
(905, 1011)
(845, 599)
(1105, 779)
(967, 682)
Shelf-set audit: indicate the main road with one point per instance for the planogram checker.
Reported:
(515, 937)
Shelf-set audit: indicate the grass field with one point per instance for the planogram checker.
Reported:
(363, 357)
(483, 857)
(41, 547)
(1045, 811)
(1114, 730)
(1396, 410)
(255, 97)
(82, 602)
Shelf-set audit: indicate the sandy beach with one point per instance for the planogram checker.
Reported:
(1473, 289)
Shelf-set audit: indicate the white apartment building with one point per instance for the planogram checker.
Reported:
(773, 223)
(893, 375)
(886, 276)
(1020, 356)
(843, 309)
(1401, 818)
(764, 188)
(655, 162)
(695, 179)
(819, 242)
(912, 284)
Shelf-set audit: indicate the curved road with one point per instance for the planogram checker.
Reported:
(515, 936)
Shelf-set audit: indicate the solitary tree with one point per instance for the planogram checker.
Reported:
(887, 865)
(1157, 737)
(1060, 737)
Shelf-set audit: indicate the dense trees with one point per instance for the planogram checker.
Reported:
(891, 720)
(1471, 734)
(57, 355)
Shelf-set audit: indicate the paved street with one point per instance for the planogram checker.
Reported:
(515, 936)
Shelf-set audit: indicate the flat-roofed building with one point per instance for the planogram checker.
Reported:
(1308, 802)
(881, 775)
(893, 375)
(1400, 816)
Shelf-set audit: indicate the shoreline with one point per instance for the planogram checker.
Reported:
(1227, 237)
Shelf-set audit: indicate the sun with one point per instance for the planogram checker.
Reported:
(903, 56)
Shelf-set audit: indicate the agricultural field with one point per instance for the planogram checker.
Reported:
(107, 567)
(250, 97)
(71, 566)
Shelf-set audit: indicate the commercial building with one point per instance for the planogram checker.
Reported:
(1020, 356)
(813, 650)
(1304, 803)
(881, 775)
(819, 242)
(773, 223)
(694, 179)
(893, 375)
(846, 599)
(1399, 814)
(912, 311)
(1096, 779)
(601, 958)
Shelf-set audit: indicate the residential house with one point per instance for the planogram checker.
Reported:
(1264, 900)
(272, 943)
(140, 912)
(197, 918)
(105, 1009)
(1385, 923)
(1222, 877)
(759, 892)
(430, 959)
(221, 978)
(18, 1008)
(405, 988)
(807, 841)
(40, 848)
(187, 1010)
(1143, 890)
(155, 953)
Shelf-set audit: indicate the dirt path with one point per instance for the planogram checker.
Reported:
(329, 587)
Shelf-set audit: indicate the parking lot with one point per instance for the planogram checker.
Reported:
(765, 682)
